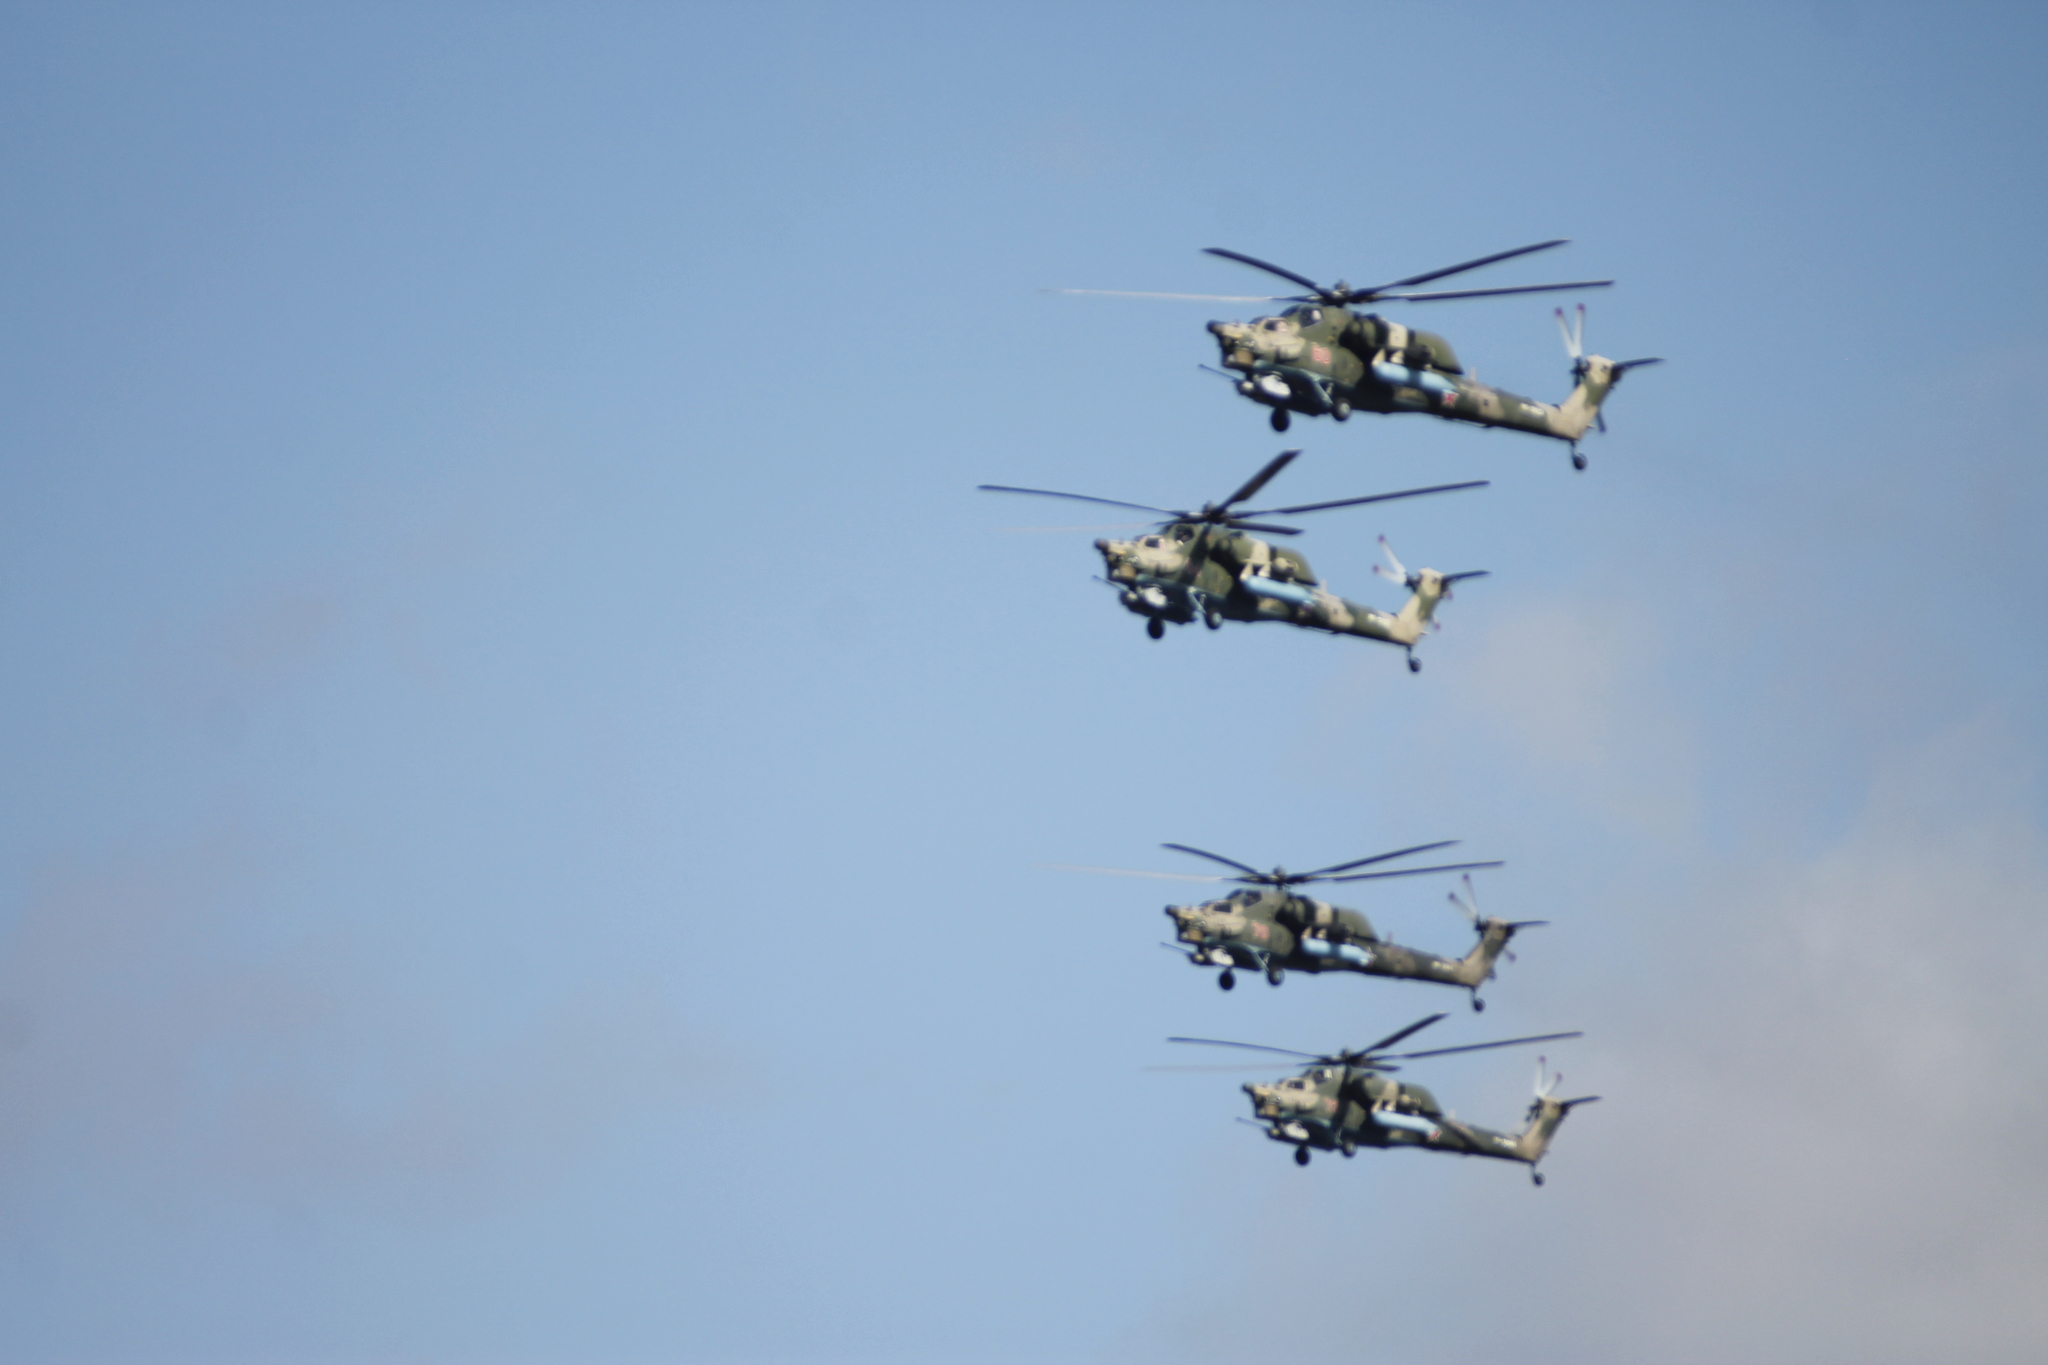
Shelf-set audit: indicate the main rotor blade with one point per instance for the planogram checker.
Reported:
(1255, 263)
(1376, 497)
(1262, 526)
(1074, 497)
(1394, 1038)
(1134, 872)
(1484, 293)
(1481, 1047)
(1379, 858)
(1254, 1047)
(1215, 858)
(1408, 872)
(1260, 479)
(1473, 265)
(1198, 298)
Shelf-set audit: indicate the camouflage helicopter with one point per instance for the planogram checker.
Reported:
(1323, 358)
(1204, 565)
(1268, 927)
(1344, 1101)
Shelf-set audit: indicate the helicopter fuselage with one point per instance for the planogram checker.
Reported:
(1278, 932)
(1187, 572)
(1332, 1107)
(1325, 360)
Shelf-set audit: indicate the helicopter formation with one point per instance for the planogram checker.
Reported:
(1324, 357)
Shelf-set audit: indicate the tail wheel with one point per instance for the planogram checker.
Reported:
(1155, 628)
(1227, 981)
(1341, 411)
(1578, 462)
(1279, 419)
(1213, 619)
(1301, 1158)
(1275, 975)
(1414, 664)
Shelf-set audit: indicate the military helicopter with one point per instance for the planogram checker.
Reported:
(1324, 358)
(1267, 927)
(1204, 565)
(1344, 1101)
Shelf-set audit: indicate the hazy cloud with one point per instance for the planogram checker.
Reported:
(147, 1030)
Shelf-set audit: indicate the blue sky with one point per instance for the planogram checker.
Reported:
(524, 760)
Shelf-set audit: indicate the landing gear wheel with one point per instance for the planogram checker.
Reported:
(1213, 619)
(1155, 628)
(1275, 975)
(1478, 1005)
(1301, 1156)
(1537, 1178)
(1578, 460)
(1227, 981)
(1414, 664)
(1341, 411)
(1279, 419)
(1348, 1148)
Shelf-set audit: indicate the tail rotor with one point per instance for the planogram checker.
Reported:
(1574, 335)
(1468, 906)
(1399, 573)
(1574, 339)
(1575, 346)
(1412, 580)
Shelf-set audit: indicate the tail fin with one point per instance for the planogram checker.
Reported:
(1477, 966)
(1545, 1116)
(1420, 608)
(1597, 376)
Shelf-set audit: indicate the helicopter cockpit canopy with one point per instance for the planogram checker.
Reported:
(1423, 1101)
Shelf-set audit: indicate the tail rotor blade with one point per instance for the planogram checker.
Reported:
(1469, 905)
(1400, 570)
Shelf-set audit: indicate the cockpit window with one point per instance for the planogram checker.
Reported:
(1274, 324)
(1309, 317)
(1151, 542)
